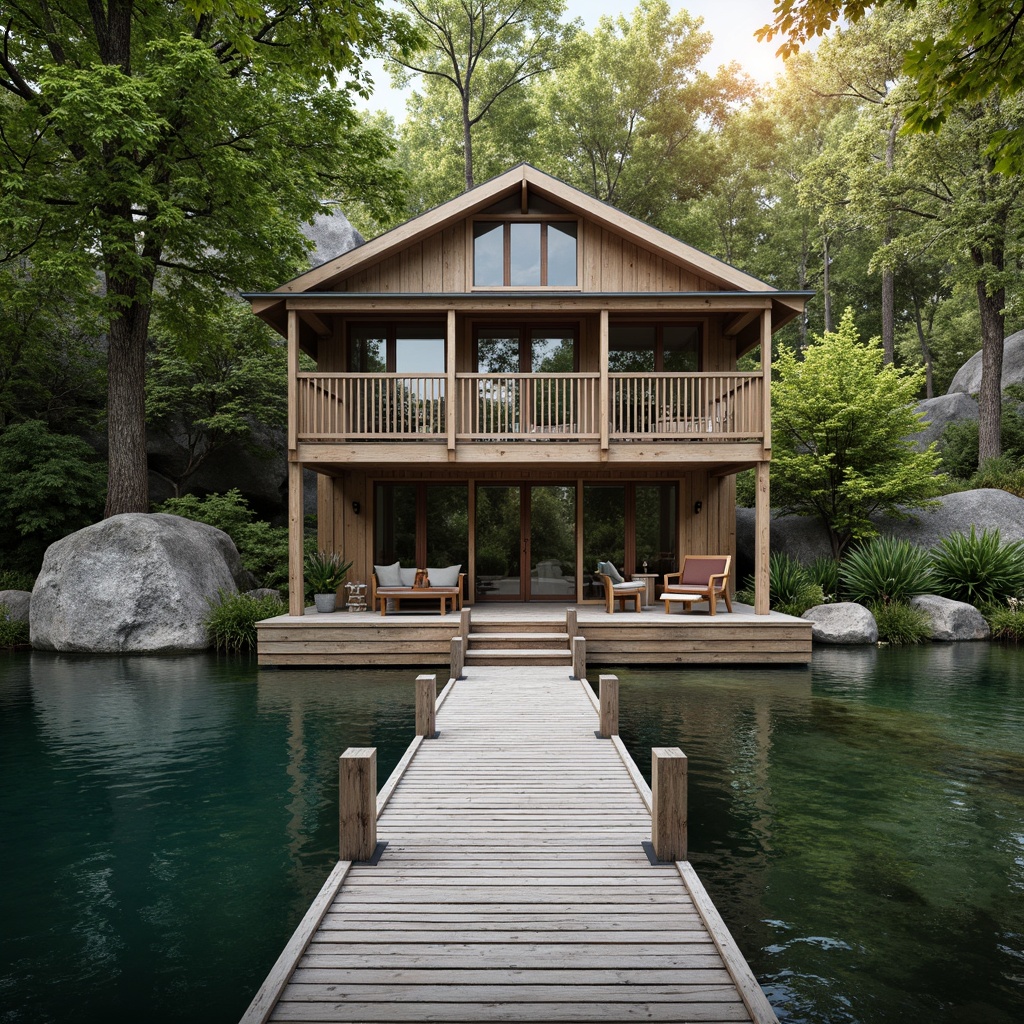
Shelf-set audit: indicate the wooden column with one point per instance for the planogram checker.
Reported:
(766, 370)
(603, 391)
(296, 581)
(357, 803)
(293, 380)
(762, 530)
(426, 706)
(458, 657)
(452, 397)
(668, 792)
(571, 625)
(608, 694)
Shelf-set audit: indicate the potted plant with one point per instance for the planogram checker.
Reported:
(325, 573)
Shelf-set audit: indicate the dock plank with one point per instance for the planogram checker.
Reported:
(514, 886)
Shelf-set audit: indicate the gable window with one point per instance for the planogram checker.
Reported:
(523, 254)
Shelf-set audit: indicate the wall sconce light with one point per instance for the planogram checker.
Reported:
(697, 506)
(356, 507)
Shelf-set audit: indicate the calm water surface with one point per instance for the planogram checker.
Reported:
(860, 825)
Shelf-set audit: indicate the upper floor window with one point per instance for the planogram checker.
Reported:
(521, 254)
(649, 348)
(396, 348)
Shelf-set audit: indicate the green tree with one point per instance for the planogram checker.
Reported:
(50, 485)
(216, 389)
(627, 119)
(839, 419)
(975, 54)
(186, 139)
(479, 52)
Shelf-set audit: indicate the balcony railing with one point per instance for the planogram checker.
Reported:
(530, 407)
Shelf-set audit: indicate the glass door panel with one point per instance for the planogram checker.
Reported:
(552, 543)
(655, 530)
(498, 543)
(604, 532)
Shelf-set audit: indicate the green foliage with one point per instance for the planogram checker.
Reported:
(12, 634)
(886, 570)
(1007, 623)
(978, 569)
(839, 419)
(791, 589)
(15, 579)
(231, 623)
(899, 623)
(50, 486)
(746, 488)
(958, 446)
(825, 572)
(263, 548)
(1000, 473)
(324, 572)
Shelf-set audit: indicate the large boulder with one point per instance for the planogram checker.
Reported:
(952, 620)
(331, 234)
(17, 603)
(134, 582)
(968, 377)
(939, 413)
(842, 623)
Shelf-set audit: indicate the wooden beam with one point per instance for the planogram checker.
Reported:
(735, 326)
(762, 553)
(452, 398)
(296, 582)
(320, 326)
(603, 389)
(766, 370)
(293, 380)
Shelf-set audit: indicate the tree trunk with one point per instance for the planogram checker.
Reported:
(888, 277)
(826, 283)
(926, 352)
(467, 139)
(128, 471)
(990, 398)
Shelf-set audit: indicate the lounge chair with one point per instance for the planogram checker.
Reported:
(702, 578)
(618, 589)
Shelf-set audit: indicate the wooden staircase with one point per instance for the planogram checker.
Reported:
(532, 643)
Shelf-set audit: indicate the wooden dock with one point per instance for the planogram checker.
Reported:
(514, 885)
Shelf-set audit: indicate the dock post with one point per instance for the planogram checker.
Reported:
(608, 694)
(668, 814)
(571, 624)
(426, 706)
(357, 803)
(465, 616)
(579, 657)
(458, 657)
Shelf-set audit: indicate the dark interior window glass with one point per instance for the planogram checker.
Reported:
(562, 254)
(488, 254)
(681, 347)
(632, 349)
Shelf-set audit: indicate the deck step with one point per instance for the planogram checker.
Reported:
(519, 656)
(555, 641)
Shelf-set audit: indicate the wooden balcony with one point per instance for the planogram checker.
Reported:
(523, 407)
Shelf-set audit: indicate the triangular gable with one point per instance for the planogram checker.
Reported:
(483, 196)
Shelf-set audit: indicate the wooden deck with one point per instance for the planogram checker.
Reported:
(419, 638)
(514, 886)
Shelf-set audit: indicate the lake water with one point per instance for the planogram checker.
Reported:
(860, 825)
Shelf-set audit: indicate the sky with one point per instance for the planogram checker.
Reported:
(731, 22)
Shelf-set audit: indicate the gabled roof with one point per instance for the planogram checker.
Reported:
(518, 179)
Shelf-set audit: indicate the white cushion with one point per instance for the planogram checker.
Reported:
(609, 570)
(388, 575)
(632, 585)
(407, 577)
(447, 577)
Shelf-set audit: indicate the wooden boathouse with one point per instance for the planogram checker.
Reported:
(524, 382)
(529, 874)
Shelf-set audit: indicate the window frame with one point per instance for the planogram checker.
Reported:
(507, 221)
(388, 330)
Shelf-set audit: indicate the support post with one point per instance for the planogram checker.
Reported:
(579, 657)
(668, 793)
(571, 624)
(458, 657)
(762, 548)
(426, 706)
(464, 624)
(296, 584)
(608, 695)
(357, 803)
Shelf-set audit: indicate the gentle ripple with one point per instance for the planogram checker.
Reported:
(860, 825)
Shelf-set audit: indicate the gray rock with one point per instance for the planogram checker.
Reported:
(939, 413)
(17, 603)
(134, 582)
(804, 538)
(842, 623)
(263, 592)
(952, 620)
(968, 377)
(332, 235)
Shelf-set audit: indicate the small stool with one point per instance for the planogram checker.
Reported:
(356, 600)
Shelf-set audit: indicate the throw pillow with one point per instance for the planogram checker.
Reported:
(447, 577)
(388, 575)
(407, 577)
(614, 573)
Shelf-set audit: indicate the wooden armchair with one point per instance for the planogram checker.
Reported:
(702, 578)
(622, 591)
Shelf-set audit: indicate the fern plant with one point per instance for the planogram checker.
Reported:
(886, 570)
(978, 568)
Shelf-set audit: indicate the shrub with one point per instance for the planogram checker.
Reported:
(899, 623)
(824, 571)
(15, 579)
(746, 488)
(1003, 474)
(1007, 623)
(886, 570)
(12, 634)
(978, 569)
(231, 623)
(791, 588)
